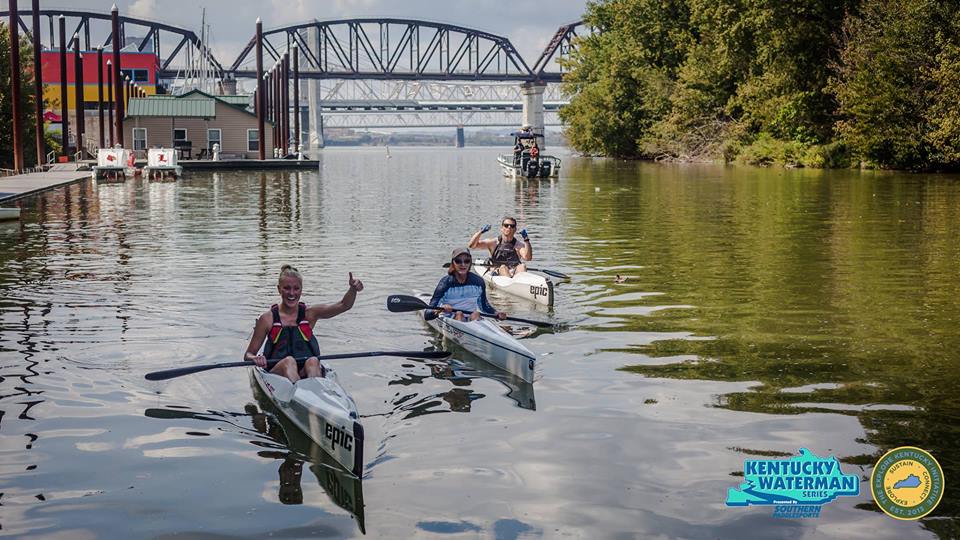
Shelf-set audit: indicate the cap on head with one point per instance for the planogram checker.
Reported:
(459, 251)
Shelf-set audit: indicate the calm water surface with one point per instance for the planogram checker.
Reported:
(763, 311)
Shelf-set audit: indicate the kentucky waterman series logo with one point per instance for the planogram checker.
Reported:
(797, 487)
(907, 483)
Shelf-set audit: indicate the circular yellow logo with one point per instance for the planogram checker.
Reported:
(907, 483)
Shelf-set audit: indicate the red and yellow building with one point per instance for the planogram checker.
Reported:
(142, 68)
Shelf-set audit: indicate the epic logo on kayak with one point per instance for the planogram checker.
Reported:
(542, 290)
(338, 436)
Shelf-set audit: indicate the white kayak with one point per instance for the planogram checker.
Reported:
(487, 340)
(533, 287)
(323, 410)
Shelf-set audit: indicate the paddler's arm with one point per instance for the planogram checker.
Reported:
(325, 311)
(484, 304)
(260, 330)
(438, 293)
(475, 239)
(526, 252)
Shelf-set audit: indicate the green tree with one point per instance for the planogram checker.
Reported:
(681, 78)
(27, 119)
(884, 85)
(944, 112)
(621, 77)
(760, 67)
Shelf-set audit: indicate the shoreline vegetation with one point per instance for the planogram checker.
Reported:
(809, 83)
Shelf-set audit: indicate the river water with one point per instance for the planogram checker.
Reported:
(760, 311)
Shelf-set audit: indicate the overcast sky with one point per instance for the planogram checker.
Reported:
(528, 24)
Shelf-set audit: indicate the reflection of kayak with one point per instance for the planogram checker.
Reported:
(323, 410)
(344, 490)
(466, 366)
(487, 340)
(527, 285)
(9, 213)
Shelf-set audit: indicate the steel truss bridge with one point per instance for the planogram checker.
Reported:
(148, 36)
(380, 104)
(368, 67)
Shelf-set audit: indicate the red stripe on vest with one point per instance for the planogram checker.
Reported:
(277, 327)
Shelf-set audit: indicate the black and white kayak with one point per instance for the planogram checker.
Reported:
(343, 488)
(527, 285)
(487, 340)
(323, 410)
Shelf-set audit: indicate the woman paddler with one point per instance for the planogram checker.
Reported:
(286, 330)
(461, 290)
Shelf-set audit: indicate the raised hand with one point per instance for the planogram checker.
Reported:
(355, 284)
(485, 228)
(523, 233)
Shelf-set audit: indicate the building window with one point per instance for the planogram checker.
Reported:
(179, 135)
(213, 137)
(136, 75)
(253, 140)
(139, 138)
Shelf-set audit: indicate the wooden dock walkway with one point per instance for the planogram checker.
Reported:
(24, 185)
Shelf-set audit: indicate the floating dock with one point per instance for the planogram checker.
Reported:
(24, 185)
(233, 164)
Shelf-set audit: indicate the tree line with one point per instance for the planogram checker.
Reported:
(27, 97)
(820, 83)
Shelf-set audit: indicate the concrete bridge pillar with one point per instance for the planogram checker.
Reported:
(461, 140)
(314, 96)
(533, 109)
(229, 87)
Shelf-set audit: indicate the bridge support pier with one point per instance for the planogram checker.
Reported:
(461, 140)
(314, 97)
(533, 111)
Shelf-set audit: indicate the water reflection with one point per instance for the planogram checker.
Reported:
(762, 311)
(344, 489)
(828, 292)
(286, 444)
(464, 366)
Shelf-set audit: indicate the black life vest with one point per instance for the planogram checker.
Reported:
(505, 252)
(296, 341)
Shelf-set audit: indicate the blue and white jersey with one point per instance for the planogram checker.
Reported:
(468, 296)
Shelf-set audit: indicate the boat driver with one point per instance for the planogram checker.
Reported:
(507, 252)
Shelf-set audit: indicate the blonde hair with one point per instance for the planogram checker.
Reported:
(287, 270)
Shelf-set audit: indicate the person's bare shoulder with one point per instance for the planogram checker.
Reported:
(266, 319)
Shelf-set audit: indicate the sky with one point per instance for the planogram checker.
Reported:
(528, 24)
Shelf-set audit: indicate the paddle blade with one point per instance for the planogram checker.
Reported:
(401, 303)
(554, 273)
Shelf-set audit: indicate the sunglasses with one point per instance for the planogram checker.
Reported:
(509, 225)
(462, 261)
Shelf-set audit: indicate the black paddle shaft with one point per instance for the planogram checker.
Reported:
(177, 372)
(400, 303)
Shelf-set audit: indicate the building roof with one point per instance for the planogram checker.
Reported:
(236, 100)
(172, 107)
